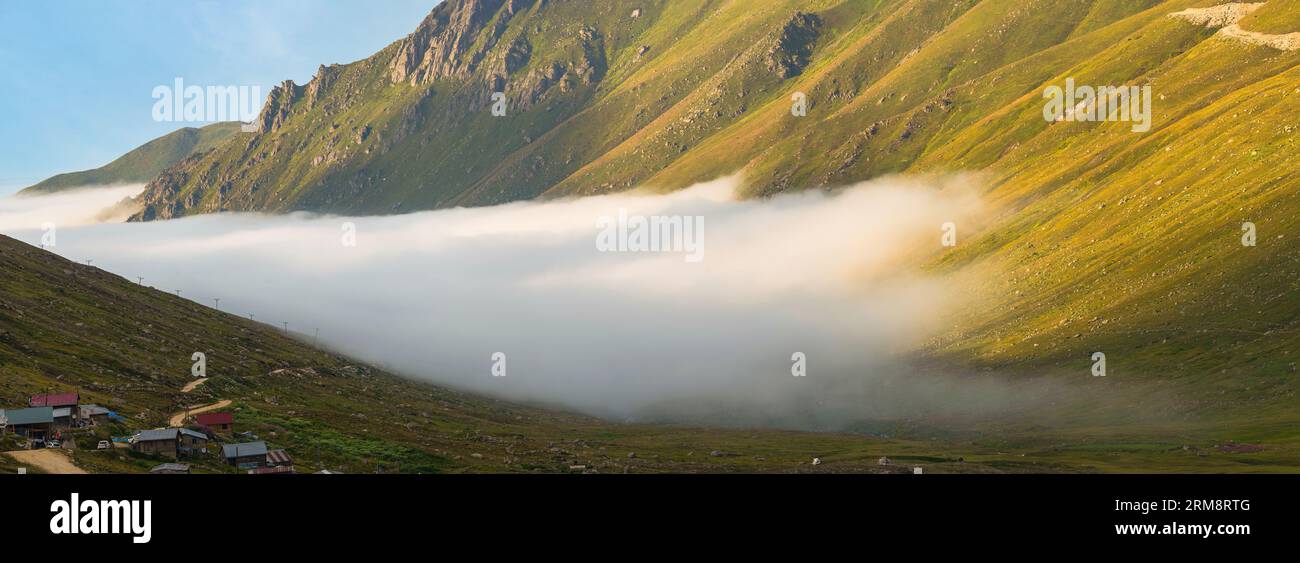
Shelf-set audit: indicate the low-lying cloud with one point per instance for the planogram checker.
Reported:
(68, 208)
(434, 295)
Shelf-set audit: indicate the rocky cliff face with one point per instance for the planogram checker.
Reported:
(441, 46)
(330, 140)
(278, 105)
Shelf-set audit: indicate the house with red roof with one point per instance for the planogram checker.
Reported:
(217, 421)
(55, 400)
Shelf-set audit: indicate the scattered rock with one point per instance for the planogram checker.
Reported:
(793, 46)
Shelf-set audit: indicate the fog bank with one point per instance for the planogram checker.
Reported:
(629, 335)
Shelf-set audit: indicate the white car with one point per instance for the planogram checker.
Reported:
(104, 445)
(53, 444)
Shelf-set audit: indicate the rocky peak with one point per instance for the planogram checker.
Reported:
(325, 77)
(438, 47)
(278, 105)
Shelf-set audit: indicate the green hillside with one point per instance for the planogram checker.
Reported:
(69, 327)
(143, 163)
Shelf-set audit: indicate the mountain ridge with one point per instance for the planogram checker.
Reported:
(142, 164)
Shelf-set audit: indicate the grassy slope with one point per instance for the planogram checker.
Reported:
(1274, 17)
(143, 163)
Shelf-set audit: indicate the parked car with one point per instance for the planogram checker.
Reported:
(104, 445)
(53, 444)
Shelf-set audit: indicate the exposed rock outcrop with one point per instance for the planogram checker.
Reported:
(325, 77)
(1217, 16)
(789, 53)
(439, 46)
(1281, 42)
(279, 104)
(1226, 18)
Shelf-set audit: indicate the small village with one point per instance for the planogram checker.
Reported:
(205, 442)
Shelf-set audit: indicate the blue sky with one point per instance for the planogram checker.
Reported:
(76, 77)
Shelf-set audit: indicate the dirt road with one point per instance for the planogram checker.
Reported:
(47, 460)
(179, 417)
(191, 385)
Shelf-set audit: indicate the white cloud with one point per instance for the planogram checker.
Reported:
(68, 208)
(434, 294)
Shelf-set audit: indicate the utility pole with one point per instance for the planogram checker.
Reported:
(178, 293)
(218, 302)
(250, 316)
(286, 327)
(316, 338)
(140, 280)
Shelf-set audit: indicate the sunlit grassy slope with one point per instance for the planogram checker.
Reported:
(144, 163)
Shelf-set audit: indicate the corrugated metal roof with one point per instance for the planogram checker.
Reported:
(34, 415)
(92, 410)
(156, 435)
(171, 467)
(62, 412)
(230, 451)
(54, 400)
(278, 457)
(166, 434)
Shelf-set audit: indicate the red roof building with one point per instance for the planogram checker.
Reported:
(56, 400)
(222, 421)
(211, 418)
